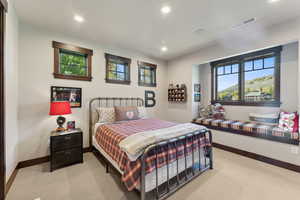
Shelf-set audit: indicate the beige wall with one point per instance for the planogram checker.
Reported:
(11, 87)
(36, 68)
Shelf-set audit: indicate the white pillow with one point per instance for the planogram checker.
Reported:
(106, 114)
(142, 113)
(271, 118)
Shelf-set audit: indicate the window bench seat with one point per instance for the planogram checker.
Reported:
(253, 129)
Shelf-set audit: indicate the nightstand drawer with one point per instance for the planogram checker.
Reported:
(66, 157)
(63, 142)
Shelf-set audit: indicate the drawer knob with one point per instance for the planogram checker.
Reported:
(68, 137)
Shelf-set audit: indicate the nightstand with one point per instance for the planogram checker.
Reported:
(65, 148)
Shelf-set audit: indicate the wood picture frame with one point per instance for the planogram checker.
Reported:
(71, 94)
(58, 46)
(110, 58)
(153, 68)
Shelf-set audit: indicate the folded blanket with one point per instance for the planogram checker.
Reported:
(134, 145)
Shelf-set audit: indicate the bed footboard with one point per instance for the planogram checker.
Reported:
(189, 173)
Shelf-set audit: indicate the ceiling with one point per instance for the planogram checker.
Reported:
(139, 25)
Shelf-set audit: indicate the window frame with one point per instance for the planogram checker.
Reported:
(241, 59)
(58, 46)
(153, 67)
(125, 61)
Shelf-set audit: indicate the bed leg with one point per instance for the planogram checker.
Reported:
(107, 167)
(211, 166)
(143, 176)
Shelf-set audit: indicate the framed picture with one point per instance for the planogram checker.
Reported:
(71, 125)
(73, 95)
(197, 87)
(197, 97)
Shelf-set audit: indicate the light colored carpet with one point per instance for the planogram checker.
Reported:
(234, 178)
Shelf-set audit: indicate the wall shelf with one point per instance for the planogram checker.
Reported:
(177, 94)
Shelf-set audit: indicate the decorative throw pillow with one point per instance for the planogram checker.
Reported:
(126, 113)
(106, 114)
(287, 121)
(142, 113)
(296, 122)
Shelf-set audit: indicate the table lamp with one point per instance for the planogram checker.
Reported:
(60, 108)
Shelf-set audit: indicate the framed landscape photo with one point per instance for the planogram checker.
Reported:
(73, 95)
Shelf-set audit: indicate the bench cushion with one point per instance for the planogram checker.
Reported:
(254, 129)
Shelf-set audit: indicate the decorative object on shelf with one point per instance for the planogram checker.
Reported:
(171, 86)
(71, 125)
(73, 95)
(197, 92)
(60, 108)
(177, 94)
(150, 99)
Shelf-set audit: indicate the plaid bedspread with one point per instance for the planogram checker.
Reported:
(258, 129)
(110, 135)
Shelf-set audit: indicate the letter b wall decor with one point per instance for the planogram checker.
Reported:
(150, 99)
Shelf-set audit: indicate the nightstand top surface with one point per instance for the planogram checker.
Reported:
(55, 133)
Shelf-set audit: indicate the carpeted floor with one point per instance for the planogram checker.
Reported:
(234, 178)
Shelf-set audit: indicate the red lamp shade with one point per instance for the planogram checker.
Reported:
(60, 108)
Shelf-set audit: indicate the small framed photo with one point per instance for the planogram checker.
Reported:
(197, 97)
(73, 95)
(71, 125)
(197, 87)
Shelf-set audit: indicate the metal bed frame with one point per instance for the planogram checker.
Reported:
(179, 182)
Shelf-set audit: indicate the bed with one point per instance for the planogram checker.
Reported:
(151, 155)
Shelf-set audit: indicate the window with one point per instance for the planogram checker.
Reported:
(147, 74)
(228, 81)
(72, 62)
(250, 79)
(117, 69)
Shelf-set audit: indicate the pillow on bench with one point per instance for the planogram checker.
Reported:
(272, 118)
(289, 121)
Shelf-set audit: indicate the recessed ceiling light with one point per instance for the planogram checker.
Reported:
(164, 49)
(273, 1)
(78, 18)
(165, 9)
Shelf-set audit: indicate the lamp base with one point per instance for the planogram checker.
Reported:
(60, 129)
(60, 122)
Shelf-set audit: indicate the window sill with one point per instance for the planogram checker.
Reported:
(243, 103)
(147, 85)
(117, 82)
(72, 77)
